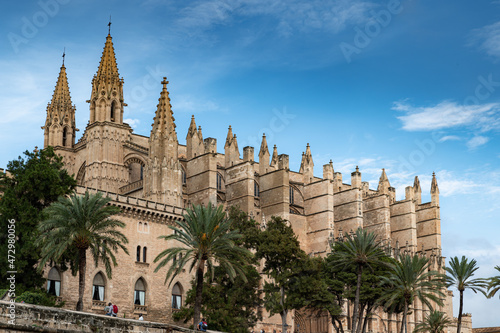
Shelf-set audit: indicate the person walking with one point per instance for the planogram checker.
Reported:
(202, 326)
(108, 309)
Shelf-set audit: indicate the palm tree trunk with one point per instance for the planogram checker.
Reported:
(403, 322)
(199, 291)
(460, 309)
(356, 301)
(82, 265)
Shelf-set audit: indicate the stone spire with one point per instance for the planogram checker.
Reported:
(263, 156)
(231, 151)
(356, 178)
(194, 141)
(275, 158)
(434, 191)
(383, 183)
(106, 99)
(163, 180)
(307, 165)
(60, 128)
(417, 190)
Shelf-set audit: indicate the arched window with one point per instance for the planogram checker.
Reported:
(183, 177)
(113, 106)
(54, 282)
(142, 172)
(138, 257)
(292, 199)
(64, 136)
(144, 253)
(176, 296)
(140, 229)
(256, 190)
(219, 182)
(98, 287)
(140, 292)
(146, 227)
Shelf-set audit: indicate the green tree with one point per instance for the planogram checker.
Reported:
(494, 284)
(35, 181)
(460, 275)
(410, 279)
(230, 306)
(206, 238)
(434, 322)
(283, 260)
(78, 223)
(361, 250)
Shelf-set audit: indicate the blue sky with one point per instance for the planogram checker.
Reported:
(409, 86)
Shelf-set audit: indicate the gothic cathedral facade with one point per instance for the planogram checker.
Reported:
(153, 179)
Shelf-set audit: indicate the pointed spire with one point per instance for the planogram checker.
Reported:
(383, 183)
(200, 135)
(229, 137)
(434, 184)
(164, 121)
(108, 69)
(417, 190)
(275, 157)
(263, 146)
(61, 96)
(192, 127)
(307, 165)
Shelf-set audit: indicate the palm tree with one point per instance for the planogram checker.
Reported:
(206, 239)
(460, 275)
(434, 322)
(411, 279)
(362, 250)
(494, 284)
(78, 223)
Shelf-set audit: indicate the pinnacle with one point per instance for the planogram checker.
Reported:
(164, 118)
(61, 97)
(108, 67)
(263, 146)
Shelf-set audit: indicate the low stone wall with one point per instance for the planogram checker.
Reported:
(35, 318)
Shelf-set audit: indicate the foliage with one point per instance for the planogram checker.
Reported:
(360, 251)
(206, 238)
(410, 279)
(78, 223)
(39, 297)
(284, 259)
(494, 284)
(434, 322)
(36, 180)
(230, 306)
(460, 275)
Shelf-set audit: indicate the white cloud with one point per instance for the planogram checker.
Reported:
(448, 114)
(449, 138)
(477, 141)
(132, 122)
(488, 39)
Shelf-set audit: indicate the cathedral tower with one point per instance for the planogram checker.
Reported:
(163, 175)
(60, 128)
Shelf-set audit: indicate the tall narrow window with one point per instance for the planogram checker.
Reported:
(256, 191)
(98, 287)
(142, 172)
(176, 296)
(138, 257)
(113, 106)
(292, 199)
(144, 253)
(140, 292)
(54, 282)
(64, 136)
(219, 182)
(183, 177)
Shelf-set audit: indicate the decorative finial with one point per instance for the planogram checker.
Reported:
(109, 25)
(64, 55)
(357, 169)
(36, 150)
(164, 82)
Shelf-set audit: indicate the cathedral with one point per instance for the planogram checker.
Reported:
(154, 178)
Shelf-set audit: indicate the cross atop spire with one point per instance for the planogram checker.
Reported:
(64, 55)
(109, 25)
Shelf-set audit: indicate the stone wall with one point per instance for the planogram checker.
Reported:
(35, 318)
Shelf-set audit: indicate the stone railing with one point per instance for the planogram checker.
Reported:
(20, 317)
(137, 185)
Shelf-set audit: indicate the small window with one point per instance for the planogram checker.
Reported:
(142, 172)
(176, 296)
(256, 190)
(64, 136)
(113, 106)
(144, 253)
(146, 227)
(140, 227)
(292, 199)
(54, 282)
(138, 256)
(98, 287)
(140, 292)
(219, 182)
(184, 179)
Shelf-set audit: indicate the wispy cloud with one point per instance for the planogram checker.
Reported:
(449, 138)
(132, 122)
(477, 141)
(487, 39)
(449, 114)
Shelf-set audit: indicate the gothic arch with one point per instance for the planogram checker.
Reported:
(80, 176)
(134, 158)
